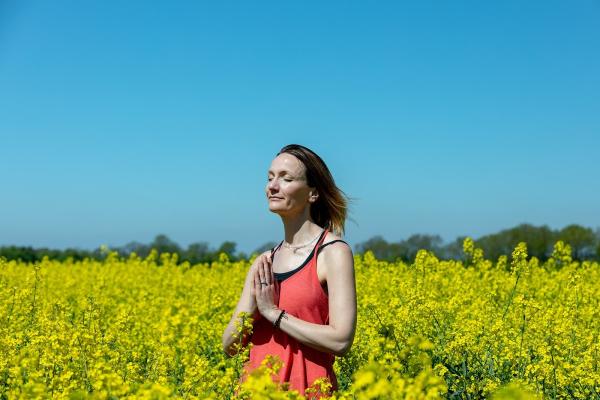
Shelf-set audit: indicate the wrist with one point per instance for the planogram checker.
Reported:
(273, 314)
(277, 322)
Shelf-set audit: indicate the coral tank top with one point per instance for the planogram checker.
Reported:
(301, 295)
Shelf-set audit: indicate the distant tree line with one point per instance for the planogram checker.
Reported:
(540, 240)
(584, 242)
(199, 252)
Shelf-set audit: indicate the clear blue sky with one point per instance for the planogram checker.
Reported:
(120, 120)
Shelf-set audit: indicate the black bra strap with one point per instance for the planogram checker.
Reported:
(328, 243)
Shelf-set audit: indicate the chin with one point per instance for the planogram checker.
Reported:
(276, 210)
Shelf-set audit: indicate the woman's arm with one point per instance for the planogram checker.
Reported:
(337, 337)
(246, 303)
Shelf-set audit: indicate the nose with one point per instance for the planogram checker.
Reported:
(271, 189)
(272, 184)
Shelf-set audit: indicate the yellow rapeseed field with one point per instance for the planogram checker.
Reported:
(151, 328)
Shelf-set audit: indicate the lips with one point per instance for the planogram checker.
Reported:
(275, 198)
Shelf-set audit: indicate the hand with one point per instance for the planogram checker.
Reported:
(267, 296)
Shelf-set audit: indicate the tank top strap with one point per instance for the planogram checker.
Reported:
(315, 250)
(274, 249)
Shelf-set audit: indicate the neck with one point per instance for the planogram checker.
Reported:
(299, 229)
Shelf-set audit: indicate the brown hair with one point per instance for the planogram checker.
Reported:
(331, 208)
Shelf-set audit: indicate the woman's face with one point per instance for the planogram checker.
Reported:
(287, 189)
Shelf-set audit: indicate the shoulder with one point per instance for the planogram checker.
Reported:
(336, 261)
(335, 251)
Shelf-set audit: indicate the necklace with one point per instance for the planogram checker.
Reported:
(294, 248)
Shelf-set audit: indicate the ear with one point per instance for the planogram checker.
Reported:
(314, 196)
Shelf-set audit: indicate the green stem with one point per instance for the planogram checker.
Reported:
(512, 293)
(381, 323)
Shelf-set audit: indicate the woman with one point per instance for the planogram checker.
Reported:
(301, 293)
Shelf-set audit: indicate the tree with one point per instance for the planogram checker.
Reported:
(598, 243)
(138, 248)
(197, 252)
(379, 246)
(582, 240)
(454, 250)
(421, 241)
(227, 248)
(163, 244)
(539, 241)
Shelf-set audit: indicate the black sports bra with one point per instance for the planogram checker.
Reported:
(280, 276)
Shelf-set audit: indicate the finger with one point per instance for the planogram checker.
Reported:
(257, 285)
(259, 290)
(268, 274)
(271, 273)
(261, 271)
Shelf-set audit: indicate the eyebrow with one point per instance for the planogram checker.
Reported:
(283, 171)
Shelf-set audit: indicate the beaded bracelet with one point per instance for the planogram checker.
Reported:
(278, 320)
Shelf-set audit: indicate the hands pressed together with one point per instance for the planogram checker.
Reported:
(265, 290)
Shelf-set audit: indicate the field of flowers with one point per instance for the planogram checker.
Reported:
(151, 328)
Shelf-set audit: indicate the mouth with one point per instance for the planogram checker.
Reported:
(275, 198)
